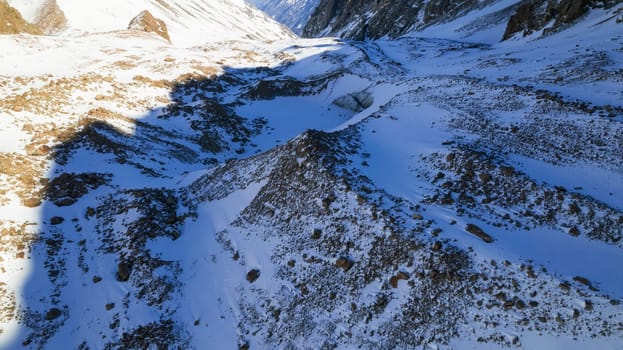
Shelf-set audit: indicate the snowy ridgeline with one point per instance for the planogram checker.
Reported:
(409, 193)
(190, 22)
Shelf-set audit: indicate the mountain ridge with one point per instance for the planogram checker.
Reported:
(190, 22)
(372, 20)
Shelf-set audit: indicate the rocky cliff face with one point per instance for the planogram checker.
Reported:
(360, 19)
(364, 19)
(535, 15)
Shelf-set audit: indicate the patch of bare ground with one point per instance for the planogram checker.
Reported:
(16, 240)
(24, 175)
(141, 80)
(12, 22)
(53, 97)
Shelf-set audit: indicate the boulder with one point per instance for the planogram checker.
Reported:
(56, 220)
(253, 275)
(123, 271)
(146, 22)
(316, 234)
(53, 314)
(478, 232)
(344, 263)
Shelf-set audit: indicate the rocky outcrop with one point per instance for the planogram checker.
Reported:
(534, 15)
(361, 19)
(51, 19)
(365, 19)
(146, 22)
(12, 22)
(524, 20)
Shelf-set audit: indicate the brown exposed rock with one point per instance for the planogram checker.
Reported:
(67, 188)
(565, 287)
(146, 22)
(524, 20)
(393, 281)
(123, 271)
(436, 246)
(402, 275)
(344, 263)
(90, 212)
(37, 150)
(31, 202)
(53, 314)
(570, 10)
(478, 232)
(520, 304)
(585, 282)
(534, 15)
(588, 305)
(360, 19)
(253, 275)
(574, 231)
(508, 304)
(316, 234)
(507, 170)
(12, 22)
(56, 220)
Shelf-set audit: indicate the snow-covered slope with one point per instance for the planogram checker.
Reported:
(190, 22)
(417, 193)
(293, 13)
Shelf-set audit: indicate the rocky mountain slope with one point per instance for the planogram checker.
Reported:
(313, 193)
(363, 19)
(292, 13)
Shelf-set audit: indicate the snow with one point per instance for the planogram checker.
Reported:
(208, 273)
(601, 184)
(29, 9)
(478, 18)
(410, 80)
(189, 22)
(540, 341)
(293, 13)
